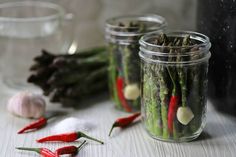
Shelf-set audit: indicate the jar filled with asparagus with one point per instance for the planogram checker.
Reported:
(174, 68)
(122, 36)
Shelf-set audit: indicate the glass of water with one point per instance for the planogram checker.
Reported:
(26, 28)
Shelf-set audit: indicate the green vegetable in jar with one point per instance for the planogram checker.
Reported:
(122, 35)
(173, 85)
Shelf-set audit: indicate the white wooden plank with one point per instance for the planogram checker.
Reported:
(219, 139)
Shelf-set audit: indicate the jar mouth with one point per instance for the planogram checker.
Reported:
(155, 22)
(182, 63)
(43, 11)
(204, 41)
(189, 54)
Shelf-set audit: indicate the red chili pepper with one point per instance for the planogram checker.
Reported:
(41, 122)
(174, 100)
(125, 121)
(119, 86)
(67, 137)
(42, 151)
(73, 150)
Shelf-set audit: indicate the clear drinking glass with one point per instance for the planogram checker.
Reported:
(174, 84)
(26, 28)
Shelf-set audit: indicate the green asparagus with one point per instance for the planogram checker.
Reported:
(71, 77)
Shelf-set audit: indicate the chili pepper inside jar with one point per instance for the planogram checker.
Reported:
(174, 70)
(122, 35)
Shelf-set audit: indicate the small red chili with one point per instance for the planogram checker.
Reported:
(172, 108)
(119, 86)
(73, 150)
(44, 152)
(41, 122)
(67, 137)
(124, 122)
(174, 100)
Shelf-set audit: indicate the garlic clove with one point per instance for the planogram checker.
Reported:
(131, 92)
(184, 115)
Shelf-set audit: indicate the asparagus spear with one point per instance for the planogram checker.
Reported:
(151, 98)
(83, 94)
(172, 108)
(131, 64)
(147, 97)
(112, 74)
(57, 93)
(126, 63)
(161, 73)
(155, 101)
(80, 90)
(182, 74)
(164, 90)
(164, 100)
(80, 63)
(45, 58)
(67, 77)
(77, 92)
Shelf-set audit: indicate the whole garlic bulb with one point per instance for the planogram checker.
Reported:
(27, 105)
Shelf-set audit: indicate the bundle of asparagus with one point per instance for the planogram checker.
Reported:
(174, 95)
(69, 79)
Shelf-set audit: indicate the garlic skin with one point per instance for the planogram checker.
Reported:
(131, 92)
(27, 105)
(184, 115)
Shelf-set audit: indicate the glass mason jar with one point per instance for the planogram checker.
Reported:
(174, 70)
(122, 35)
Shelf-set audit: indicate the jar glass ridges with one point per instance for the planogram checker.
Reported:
(174, 70)
(122, 35)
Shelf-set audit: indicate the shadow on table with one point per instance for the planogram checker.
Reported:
(214, 130)
(204, 136)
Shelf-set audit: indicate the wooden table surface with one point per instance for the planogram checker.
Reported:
(217, 140)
